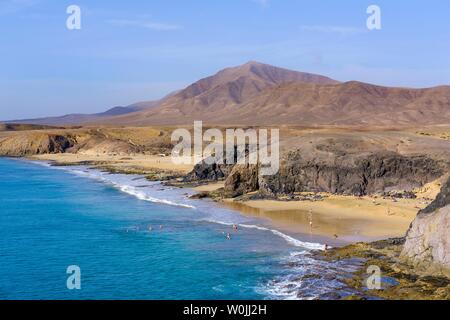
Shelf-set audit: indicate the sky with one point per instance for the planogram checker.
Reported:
(138, 50)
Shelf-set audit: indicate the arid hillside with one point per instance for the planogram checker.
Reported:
(259, 94)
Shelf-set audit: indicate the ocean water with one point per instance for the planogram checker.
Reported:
(55, 217)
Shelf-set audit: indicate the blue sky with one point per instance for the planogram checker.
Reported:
(129, 51)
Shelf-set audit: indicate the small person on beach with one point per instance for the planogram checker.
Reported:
(235, 227)
(310, 219)
(326, 247)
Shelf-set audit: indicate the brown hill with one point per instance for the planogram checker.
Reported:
(351, 103)
(216, 94)
(259, 94)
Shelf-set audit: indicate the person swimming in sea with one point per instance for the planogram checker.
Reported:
(235, 227)
(228, 236)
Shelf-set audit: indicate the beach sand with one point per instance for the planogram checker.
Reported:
(344, 219)
(138, 162)
(210, 187)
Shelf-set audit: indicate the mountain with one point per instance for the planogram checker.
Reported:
(216, 94)
(260, 94)
(79, 118)
(350, 103)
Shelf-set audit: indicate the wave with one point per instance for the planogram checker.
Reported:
(289, 239)
(309, 278)
(145, 197)
(124, 184)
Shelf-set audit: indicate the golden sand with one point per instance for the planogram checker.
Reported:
(346, 218)
(210, 187)
(343, 218)
(139, 161)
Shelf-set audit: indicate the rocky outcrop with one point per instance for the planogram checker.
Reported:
(427, 244)
(208, 172)
(241, 180)
(212, 170)
(35, 143)
(360, 174)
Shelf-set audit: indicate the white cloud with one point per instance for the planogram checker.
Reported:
(144, 24)
(333, 29)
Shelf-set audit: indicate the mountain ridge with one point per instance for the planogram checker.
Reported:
(260, 94)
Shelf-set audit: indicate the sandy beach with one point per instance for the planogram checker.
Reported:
(138, 162)
(342, 219)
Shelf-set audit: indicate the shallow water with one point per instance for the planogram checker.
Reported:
(54, 217)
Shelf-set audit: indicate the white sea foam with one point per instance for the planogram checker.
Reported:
(310, 278)
(126, 185)
(289, 239)
(141, 195)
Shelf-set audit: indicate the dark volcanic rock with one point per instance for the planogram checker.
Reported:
(442, 200)
(360, 174)
(208, 172)
(242, 179)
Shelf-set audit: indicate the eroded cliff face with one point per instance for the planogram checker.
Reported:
(339, 174)
(427, 244)
(35, 143)
(115, 141)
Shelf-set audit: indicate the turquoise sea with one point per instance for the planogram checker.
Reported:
(55, 217)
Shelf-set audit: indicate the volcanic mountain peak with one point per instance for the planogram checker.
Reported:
(250, 78)
(271, 74)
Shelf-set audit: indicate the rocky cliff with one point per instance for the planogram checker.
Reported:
(35, 143)
(427, 244)
(361, 174)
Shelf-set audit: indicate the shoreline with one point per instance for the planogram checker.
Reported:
(266, 224)
(336, 220)
(342, 220)
(345, 220)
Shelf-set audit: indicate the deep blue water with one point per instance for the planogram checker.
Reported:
(52, 218)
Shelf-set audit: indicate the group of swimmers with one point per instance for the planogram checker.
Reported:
(150, 228)
(228, 235)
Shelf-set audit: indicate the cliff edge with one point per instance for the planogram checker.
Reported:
(427, 244)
